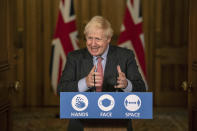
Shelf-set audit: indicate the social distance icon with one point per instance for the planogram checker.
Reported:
(132, 103)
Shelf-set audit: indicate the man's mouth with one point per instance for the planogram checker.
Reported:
(94, 49)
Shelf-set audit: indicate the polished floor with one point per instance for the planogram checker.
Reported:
(47, 119)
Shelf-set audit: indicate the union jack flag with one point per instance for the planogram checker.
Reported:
(132, 36)
(64, 41)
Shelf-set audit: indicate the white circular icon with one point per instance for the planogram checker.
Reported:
(106, 102)
(79, 102)
(132, 102)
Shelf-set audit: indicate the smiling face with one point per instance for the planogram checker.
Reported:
(97, 42)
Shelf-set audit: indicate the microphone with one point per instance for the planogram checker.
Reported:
(94, 87)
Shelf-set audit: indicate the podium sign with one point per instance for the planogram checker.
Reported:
(106, 105)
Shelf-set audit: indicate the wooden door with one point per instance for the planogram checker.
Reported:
(7, 63)
(167, 41)
(192, 70)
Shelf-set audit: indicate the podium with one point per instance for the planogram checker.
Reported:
(105, 124)
(100, 111)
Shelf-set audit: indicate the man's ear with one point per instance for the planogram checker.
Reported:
(108, 40)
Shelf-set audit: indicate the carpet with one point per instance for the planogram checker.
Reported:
(47, 119)
(164, 119)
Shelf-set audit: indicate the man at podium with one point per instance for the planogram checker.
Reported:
(100, 66)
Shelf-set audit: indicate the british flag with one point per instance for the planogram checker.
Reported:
(132, 36)
(64, 41)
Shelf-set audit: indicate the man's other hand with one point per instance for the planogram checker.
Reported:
(121, 80)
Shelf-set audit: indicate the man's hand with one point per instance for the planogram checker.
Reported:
(121, 80)
(94, 75)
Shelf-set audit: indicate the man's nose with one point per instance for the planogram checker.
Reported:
(93, 41)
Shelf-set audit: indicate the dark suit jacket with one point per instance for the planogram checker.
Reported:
(80, 62)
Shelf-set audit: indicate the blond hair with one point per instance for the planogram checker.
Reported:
(99, 22)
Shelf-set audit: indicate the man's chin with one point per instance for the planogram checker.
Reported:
(94, 54)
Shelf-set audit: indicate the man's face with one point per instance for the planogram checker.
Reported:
(96, 42)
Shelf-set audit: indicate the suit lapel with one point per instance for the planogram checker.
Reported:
(110, 73)
(87, 63)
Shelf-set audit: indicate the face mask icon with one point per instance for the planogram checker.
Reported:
(106, 102)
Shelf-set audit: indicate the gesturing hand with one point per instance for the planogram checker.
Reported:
(121, 80)
(90, 78)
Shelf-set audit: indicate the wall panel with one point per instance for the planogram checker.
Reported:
(3, 32)
(33, 53)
